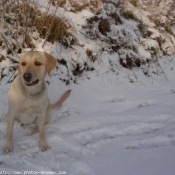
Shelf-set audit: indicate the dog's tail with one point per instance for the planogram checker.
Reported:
(58, 104)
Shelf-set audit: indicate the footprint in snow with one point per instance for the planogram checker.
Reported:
(113, 100)
(146, 104)
(155, 142)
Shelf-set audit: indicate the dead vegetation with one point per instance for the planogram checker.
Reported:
(108, 26)
(131, 62)
(162, 13)
(129, 15)
(59, 29)
(104, 26)
(117, 18)
(91, 55)
(75, 6)
(22, 23)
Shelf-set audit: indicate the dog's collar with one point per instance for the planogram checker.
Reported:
(33, 95)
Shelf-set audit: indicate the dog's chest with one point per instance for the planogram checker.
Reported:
(30, 110)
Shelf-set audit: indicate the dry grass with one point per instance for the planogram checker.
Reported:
(129, 15)
(78, 5)
(134, 2)
(18, 20)
(23, 18)
(58, 30)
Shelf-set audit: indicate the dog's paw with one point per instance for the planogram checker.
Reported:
(8, 148)
(43, 147)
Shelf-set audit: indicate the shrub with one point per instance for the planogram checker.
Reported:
(128, 15)
(91, 55)
(117, 18)
(58, 30)
(104, 26)
(131, 62)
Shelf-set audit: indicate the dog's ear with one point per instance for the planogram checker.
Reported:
(19, 70)
(51, 62)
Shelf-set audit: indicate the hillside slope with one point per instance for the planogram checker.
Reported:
(131, 33)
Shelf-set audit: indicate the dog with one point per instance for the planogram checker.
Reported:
(27, 97)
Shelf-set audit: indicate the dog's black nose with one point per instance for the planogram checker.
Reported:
(27, 77)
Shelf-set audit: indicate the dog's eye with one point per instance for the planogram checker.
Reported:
(37, 64)
(23, 64)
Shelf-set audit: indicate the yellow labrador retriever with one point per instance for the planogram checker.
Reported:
(28, 100)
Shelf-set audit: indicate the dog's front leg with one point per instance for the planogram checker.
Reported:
(10, 123)
(42, 140)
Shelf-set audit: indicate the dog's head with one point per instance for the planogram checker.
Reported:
(34, 65)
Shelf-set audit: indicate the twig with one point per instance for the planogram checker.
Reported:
(7, 43)
(26, 20)
(10, 77)
(16, 16)
(161, 68)
(12, 59)
(14, 36)
(48, 32)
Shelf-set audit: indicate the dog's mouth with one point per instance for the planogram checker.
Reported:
(32, 83)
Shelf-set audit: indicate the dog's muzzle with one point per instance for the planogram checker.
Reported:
(28, 79)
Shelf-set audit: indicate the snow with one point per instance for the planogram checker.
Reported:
(107, 126)
(150, 44)
(155, 34)
(142, 52)
(168, 47)
(116, 120)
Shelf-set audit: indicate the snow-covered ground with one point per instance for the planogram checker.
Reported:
(107, 126)
(116, 121)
